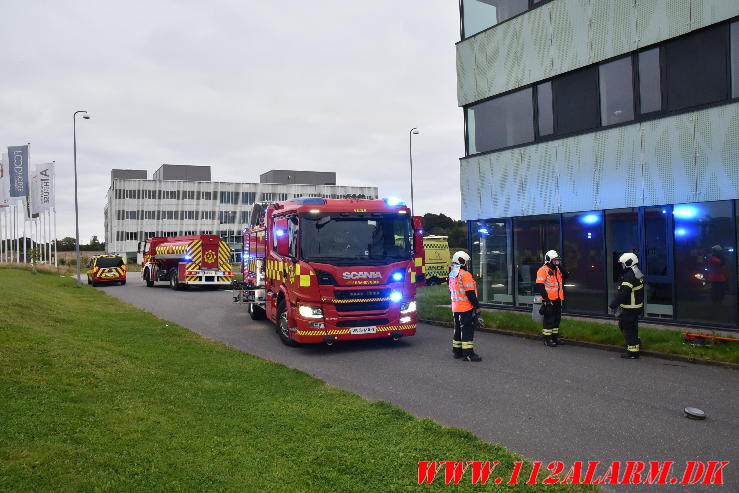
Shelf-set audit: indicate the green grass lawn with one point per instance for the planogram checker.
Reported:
(661, 340)
(98, 395)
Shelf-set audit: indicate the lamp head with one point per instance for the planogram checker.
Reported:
(415, 131)
(86, 116)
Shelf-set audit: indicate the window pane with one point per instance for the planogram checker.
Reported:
(696, 68)
(532, 237)
(576, 101)
(616, 92)
(735, 59)
(583, 259)
(622, 236)
(650, 89)
(544, 105)
(482, 14)
(491, 254)
(656, 263)
(705, 256)
(501, 122)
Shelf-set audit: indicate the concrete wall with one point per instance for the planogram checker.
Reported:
(284, 176)
(128, 174)
(182, 172)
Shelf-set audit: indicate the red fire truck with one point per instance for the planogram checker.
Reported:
(327, 270)
(196, 260)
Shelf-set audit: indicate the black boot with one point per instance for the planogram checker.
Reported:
(548, 341)
(472, 356)
(555, 339)
(630, 355)
(457, 352)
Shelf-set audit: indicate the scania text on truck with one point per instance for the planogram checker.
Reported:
(195, 260)
(327, 270)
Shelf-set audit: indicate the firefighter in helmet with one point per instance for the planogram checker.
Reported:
(465, 306)
(550, 280)
(629, 302)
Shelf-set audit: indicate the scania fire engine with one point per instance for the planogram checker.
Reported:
(195, 260)
(327, 270)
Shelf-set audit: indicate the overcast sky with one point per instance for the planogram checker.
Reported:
(244, 86)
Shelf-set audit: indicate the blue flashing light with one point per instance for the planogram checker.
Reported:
(664, 211)
(685, 211)
(397, 276)
(280, 232)
(420, 231)
(590, 219)
(188, 257)
(590, 236)
(681, 232)
(730, 250)
(396, 296)
(393, 201)
(483, 231)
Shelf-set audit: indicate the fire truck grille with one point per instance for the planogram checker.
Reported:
(362, 306)
(361, 300)
(363, 323)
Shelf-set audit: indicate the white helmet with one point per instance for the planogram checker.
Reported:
(628, 259)
(461, 258)
(550, 255)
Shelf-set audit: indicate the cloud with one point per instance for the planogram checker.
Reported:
(245, 86)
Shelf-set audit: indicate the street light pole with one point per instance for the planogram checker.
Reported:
(85, 116)
(414, 131)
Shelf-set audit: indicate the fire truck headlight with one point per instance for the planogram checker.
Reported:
(307, 311)
(408, 307)
(396, 296)
(397, 276)
(405, 320)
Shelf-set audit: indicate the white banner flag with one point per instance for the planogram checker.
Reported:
(42, 188)
(4, 181)
(33, 197)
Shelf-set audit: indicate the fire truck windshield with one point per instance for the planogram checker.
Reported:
(346, 239)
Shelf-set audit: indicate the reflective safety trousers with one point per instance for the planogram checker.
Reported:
(458, 287)
(552, 281)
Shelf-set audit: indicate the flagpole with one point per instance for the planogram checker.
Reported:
(56, 255)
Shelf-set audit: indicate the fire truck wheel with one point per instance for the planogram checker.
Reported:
(173, 281)
(88, 280)
(256, 312)
(123, 282)
(282, 325)
(147, 276)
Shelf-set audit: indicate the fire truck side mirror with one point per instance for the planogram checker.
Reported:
(417, 222)
(138, 248)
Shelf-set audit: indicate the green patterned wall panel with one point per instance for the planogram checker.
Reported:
(707, 12)
(717, 153)
(684, 158)
(564, 35)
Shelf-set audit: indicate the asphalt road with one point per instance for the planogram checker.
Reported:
(566, 403)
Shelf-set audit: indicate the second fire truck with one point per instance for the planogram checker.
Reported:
(327, 270)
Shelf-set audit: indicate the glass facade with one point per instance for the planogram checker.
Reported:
(687, 253)
(533, 236)
(478, 15)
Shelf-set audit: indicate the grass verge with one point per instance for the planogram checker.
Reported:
(98, 395)
(659, 340)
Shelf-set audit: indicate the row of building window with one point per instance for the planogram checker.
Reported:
(224, 217)
(478, 15)
(698, 69)
(229, 236)
(687, 253)
(233, 198)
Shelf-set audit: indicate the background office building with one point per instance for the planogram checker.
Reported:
(596, 127)
(182, 200)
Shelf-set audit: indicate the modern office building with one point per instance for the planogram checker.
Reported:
(596, 127)
(182, 200)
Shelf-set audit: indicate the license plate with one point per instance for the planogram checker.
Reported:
(363, 330)
(209, 273)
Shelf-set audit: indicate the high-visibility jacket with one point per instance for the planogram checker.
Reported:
(459, 284)
(553, 281)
